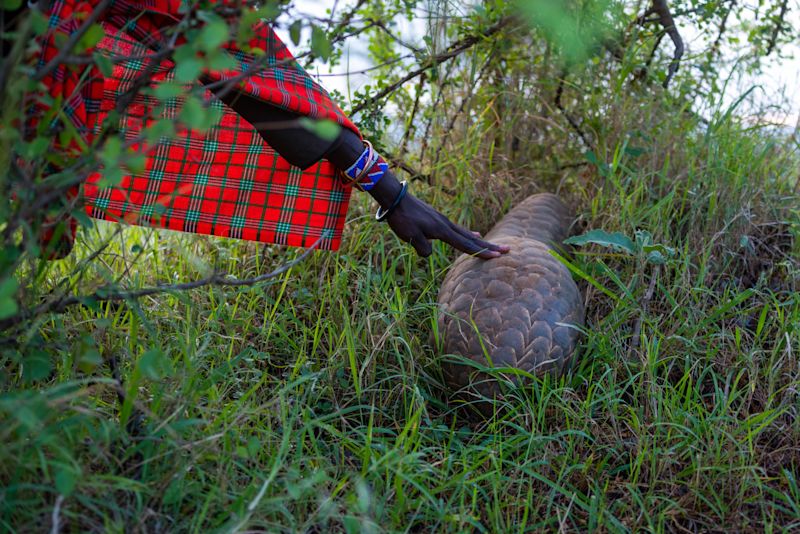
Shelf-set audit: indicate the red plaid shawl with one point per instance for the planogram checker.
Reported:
(226, 181)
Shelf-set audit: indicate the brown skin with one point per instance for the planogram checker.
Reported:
(416, 222)
(413, 220)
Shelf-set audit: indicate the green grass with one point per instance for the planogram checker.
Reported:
(315, 402)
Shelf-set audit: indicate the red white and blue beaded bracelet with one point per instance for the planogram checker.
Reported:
(367, 170)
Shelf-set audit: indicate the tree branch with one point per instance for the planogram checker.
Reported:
(108, 295)
(572, 122)
(72, 41)
(664, 17)
(455, 49)
(776, 31)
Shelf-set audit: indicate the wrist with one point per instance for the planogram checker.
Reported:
(386, 190)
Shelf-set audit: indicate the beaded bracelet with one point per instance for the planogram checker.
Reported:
(382, 216)
(367, 170)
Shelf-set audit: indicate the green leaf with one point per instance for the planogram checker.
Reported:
(320, 44)
(110, 156)
(351, 524)
(197, 116)
(615, 240)
(253, 446)
(153, 364)
(93, 35)
(111, 177)
(104, 64)
(8, 305)
(9, 255)
(10, 5)
(136, 163)
(39, 22)
(89, 360)
(174, 492)
(36, 366)
(66, 480)
(635, 151)
(295, 30)
(592, 158)
(160, 131)
(326, 130)
(83, 219)
(661, 249)
(214, 34)
(168, 90)
(8, 287)
(656, 258)
(37, 148)
(111, 151)
(187, 70)
(221, 60)
(575, 28)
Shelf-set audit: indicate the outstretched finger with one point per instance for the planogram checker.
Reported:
(469, 245)
(476, 237)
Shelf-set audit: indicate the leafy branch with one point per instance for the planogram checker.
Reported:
(108, 294)
(452, 51)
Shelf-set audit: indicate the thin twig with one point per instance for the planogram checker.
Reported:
(108, 295)
(55, 517)
(776, 31)
(464, 101)
(452, 51)
(572, 122)
(411, 119)
(637, 326)
(387, 31)
(415, 174)
(66, 49)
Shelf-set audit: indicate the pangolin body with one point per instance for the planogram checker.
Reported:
(524, 304)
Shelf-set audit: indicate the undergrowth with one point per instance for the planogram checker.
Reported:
(315, 403)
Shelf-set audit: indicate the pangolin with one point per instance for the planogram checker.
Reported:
(520, 309)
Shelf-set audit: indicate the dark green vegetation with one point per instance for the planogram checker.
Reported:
(314, 402)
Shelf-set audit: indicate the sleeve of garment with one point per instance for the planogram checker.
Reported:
(282, 131)
(275, 78)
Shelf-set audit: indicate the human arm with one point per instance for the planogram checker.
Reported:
(413, 220)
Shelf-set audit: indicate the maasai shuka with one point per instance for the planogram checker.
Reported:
(225, 181)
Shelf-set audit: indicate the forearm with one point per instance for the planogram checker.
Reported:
(411, 219)
(343, 156)
(281, 129)
(302, 147)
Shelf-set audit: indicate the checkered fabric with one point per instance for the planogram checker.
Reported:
(225, 181)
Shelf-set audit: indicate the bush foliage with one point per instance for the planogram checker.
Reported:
(312, 400)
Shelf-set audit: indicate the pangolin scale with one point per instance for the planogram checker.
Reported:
(524, 304)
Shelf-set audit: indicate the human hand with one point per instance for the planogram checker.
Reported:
(416, 222)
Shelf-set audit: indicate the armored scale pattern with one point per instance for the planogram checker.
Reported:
(520, 303)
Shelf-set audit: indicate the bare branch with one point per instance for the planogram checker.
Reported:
(455, 49)
(410, 122)
(72, 41)
(664, 17)
(572, 122)
(110, 295)
(415, 174)
(776, 31)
